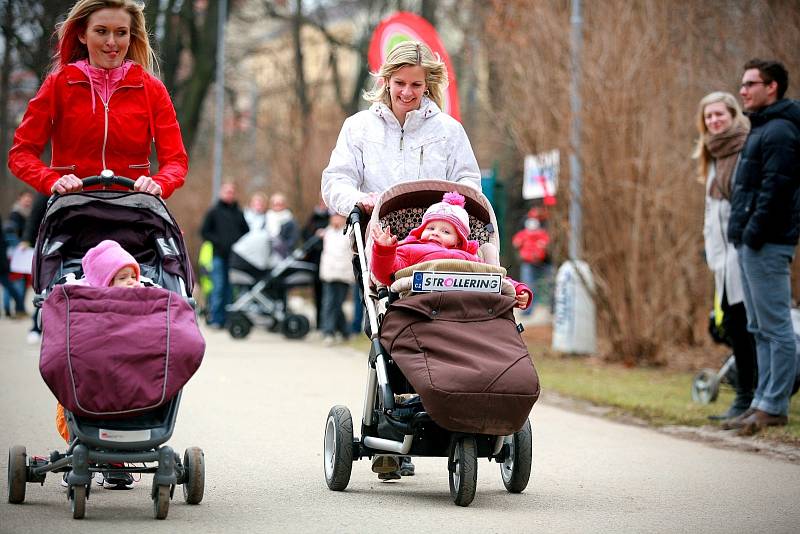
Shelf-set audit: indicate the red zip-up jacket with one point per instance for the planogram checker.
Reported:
(116, 135)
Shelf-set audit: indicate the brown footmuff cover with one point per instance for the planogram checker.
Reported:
(463, 355)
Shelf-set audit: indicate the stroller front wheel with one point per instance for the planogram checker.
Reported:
(17, 474)
(705, 386)
(78, 501)
(338, 456)
(516, 468)
(295, 326)
(195, 475)
(463, 467)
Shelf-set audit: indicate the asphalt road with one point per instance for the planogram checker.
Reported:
(258, 407)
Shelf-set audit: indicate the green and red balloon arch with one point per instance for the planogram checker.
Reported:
(404, 26)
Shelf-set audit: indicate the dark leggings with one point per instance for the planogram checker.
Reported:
(734, 321)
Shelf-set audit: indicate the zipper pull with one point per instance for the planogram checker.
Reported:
(401, 138)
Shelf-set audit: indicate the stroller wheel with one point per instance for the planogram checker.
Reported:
(161, 495)
(295, 326)
(516, 469)
(17, 474)
(77, 499)
(705, 386)
(195, 478)
(338, 456)
(239, 325)
(463, 467)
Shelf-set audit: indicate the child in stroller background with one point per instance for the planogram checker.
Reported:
(448, 372)
(120, 389)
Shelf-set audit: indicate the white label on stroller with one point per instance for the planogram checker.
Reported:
(446, 281)
(125, 435)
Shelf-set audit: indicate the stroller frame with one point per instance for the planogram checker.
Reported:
(95, 443)
(421, 436)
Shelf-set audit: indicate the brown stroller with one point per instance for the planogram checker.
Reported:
(449, 374)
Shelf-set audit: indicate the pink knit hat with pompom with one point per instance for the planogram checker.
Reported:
(103, 261)
(450, 209)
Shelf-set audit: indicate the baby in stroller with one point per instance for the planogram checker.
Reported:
(120, 389)
(443, 234)
(449, 374)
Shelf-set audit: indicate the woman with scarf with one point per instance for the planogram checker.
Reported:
(723, 129)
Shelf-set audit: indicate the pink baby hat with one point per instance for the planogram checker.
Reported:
(450, 209)
(102, 262)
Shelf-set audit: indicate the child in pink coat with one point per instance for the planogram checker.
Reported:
(443, 234)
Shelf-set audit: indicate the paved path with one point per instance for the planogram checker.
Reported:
(258, 407)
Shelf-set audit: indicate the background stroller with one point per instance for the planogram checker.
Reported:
(141, 223)
(458, 413)
(261, 281)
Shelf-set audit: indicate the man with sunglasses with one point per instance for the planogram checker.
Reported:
(765, 226)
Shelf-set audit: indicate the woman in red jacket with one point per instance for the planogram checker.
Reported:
(101, 107)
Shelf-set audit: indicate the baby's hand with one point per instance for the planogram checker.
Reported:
(383, 236)
(522, 300)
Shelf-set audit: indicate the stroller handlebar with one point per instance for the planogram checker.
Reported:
(108, 178)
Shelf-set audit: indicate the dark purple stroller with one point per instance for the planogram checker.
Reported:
(127, 418)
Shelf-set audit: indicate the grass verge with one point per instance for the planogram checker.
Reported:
(657, 396)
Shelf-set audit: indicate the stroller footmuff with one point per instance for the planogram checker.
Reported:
(464, 358)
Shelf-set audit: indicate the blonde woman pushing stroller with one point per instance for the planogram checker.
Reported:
(419, 141)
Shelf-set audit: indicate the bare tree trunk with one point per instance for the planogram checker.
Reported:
(304, 105)
(5, 77)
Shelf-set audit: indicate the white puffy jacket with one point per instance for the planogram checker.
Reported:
(374, 152)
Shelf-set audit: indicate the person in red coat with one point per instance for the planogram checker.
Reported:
(101, 107)
(443, 234)
(531, 243)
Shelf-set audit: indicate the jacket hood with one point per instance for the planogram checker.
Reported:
(782, 109)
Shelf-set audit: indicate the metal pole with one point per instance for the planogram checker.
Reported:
(575, 133)
(219, 111)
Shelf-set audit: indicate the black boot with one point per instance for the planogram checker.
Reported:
(739, 405)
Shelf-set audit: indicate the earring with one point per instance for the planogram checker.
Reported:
(426, 93)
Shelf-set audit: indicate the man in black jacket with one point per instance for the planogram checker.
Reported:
(764, 226)
(223, 225)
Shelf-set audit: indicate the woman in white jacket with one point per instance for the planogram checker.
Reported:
(403, 136)
(723, 129)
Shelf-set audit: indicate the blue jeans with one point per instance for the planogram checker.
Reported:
(768, 301)
(538, 277)
(357, 326)
(221, 293)
(333, 319)
(13, 290)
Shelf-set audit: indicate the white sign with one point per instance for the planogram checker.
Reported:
(131, 436)
(540, 177)
(21, 260)
(424, 281)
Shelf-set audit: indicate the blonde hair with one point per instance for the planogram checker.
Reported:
(701, 153)
(71, 49)
(405, 54)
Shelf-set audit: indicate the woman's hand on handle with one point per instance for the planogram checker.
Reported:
(146, 184)
(69, 183)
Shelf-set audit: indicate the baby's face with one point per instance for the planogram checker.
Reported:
(125, 277)
(442, 233)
